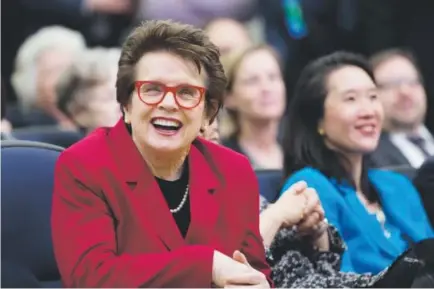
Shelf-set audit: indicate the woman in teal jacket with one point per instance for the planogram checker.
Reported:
(335, 118)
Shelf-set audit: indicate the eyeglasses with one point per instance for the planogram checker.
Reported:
(153, 92)
(396, 83)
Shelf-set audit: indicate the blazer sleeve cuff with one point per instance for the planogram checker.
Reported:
(334, 255)
(204, 258)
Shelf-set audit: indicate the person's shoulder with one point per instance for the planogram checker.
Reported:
(428, 164)
(224, 156)
(89, 149)
(391, 182)
(387, 176)
(425, 172)
(308, 173)
(314, 179)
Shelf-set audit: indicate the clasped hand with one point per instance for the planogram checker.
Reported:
(236, 272)
(300, 206)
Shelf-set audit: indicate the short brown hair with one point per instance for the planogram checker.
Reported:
(382, 56)
(183, 40)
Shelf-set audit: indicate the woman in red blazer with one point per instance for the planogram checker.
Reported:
(147, 203)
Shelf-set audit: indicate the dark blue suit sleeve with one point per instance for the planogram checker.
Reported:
(424, 183)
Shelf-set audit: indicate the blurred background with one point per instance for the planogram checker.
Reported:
(41, 40)
(59, 64)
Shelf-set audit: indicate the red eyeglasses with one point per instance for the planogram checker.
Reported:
(153, 92)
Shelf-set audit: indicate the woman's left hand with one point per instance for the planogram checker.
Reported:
(314, 214)
(314, 224)
(240, 257)
(321, 241)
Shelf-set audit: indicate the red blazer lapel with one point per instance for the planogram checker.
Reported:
(145, 198)
(204, 205)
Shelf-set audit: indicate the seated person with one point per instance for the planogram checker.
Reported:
(334, 120)
(87, 92)
(146, 203)
(255, 102)
(405, 140)
(424, 182)
(40, 61)
(305, 252)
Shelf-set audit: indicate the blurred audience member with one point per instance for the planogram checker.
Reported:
(334, 119)
(87, 92)
(229, 35)
(424, 182)
(405, 141)
(211, 132)
(255, 100)
(196, 12)
(40, 61)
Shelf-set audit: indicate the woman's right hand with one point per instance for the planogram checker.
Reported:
(227, 271)
(290, 208)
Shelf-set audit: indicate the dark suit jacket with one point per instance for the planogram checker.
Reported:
(387, 155)
(424, 182)
(112, 226)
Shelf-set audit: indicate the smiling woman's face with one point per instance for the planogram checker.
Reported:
(166, 126)
(258, 91)
(352, 111)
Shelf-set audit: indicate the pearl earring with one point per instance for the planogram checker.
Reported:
(321, 131)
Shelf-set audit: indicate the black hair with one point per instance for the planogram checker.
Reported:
(380, 57)
(303, 146)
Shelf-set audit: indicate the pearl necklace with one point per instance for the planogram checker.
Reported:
(184, 199)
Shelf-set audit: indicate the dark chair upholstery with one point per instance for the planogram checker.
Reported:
(32, 117)
(270, 182)
(27, 170)
(48, 134)
(405, 170)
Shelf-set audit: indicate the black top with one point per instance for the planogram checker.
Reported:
(173, 192)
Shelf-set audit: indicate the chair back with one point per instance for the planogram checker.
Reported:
(270, 182)
(48, 134)
(27, 173)
(405, 170)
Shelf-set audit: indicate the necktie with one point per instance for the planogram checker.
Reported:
(420, 143)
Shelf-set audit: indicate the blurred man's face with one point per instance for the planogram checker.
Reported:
(402, 93)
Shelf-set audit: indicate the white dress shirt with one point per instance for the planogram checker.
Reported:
(412, 152)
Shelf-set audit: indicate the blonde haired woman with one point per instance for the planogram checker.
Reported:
(255, 103)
